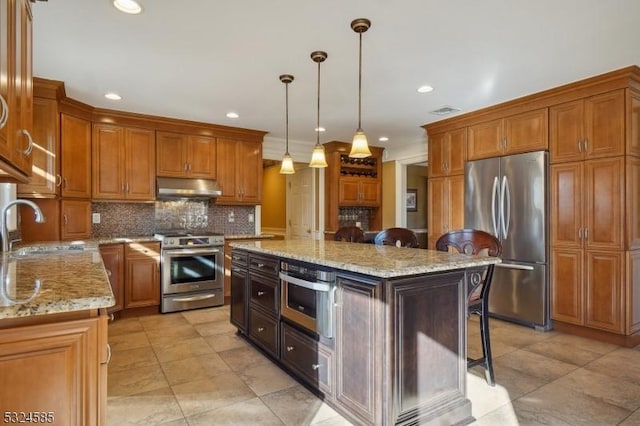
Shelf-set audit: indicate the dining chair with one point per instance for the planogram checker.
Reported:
(399, 237)
(474, 241)
(352, 234)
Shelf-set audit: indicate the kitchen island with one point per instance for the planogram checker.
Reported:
(398, 351)
(53, 335)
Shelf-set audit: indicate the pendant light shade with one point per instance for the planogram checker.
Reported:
(318, 158)
(286, 168)
(359, 146)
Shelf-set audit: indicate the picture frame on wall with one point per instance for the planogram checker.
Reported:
(412, 200)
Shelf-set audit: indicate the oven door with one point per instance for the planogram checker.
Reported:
(192, 269)
(308, 304)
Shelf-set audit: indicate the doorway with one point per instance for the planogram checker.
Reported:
(301, 196)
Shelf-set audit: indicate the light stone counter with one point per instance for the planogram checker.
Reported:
(52, 280)
(368, 259)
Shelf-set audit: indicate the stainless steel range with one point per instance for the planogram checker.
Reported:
(191, 270)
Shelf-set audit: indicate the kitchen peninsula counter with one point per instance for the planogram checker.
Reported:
(397, 351)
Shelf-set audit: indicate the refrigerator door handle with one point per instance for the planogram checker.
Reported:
(506, 223)
(494, 193)
(513, 266)
(503, 227)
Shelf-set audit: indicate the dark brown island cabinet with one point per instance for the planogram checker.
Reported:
(397, 351)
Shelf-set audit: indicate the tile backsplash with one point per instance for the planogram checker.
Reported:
(143, 219)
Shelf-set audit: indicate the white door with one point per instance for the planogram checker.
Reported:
(300, 196)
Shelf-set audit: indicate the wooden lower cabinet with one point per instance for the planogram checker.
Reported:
(142, 275)
(113, 259)
(57, 370)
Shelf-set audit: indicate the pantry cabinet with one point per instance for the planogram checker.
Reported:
(123, 163)
(514, 134)
(445, 207)
(239, 171)
(182, 155)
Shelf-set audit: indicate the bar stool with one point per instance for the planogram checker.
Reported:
(352, 234)
(473, 241)
(399, 237)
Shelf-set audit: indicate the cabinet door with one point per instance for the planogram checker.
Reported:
(76, 219)
(226, 170)
(250, 174)
(45, 176)
(456, 202)
(349, 192)
(171, 158)
(605, 125)
(566, 131)
(7, 66)
(75, 157)
(567, 201)
(457, 152)
(202, 157)
(485, 140)
(239, 298)
(140, 172)
(437, 209)
(604, 291)
(108, 162)
(437, 155)
(604, 188)
(370, 192)
(113, 259)
(142, 276)
(23, 109)
(567, 285)
(527, 132)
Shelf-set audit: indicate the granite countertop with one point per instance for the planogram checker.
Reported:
(249, 237)
(369, 259)
(51, 278)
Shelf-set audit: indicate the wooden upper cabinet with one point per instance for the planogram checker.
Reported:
(447, 153)
(510, 135)
(239, 171)
(123, 163)
(75, 156)
(181, 155)
(45, 176)
(593, 127)
(358, 192)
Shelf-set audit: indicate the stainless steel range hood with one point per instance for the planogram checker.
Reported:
(171, 188)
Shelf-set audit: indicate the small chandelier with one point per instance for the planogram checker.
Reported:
(286, 168)
(317, 156)
(359, 146)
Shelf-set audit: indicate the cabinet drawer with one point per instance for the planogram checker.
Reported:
(265, 265)
(263, 330)
(149, 249)
(239, 258)
(264, 292)
(308, 358)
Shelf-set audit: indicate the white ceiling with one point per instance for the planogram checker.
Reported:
(200, 59)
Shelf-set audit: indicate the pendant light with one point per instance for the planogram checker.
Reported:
(286, 168)
(359, 146)
(317, 156)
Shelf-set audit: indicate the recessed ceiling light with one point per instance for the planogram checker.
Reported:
(232, 115)
(131, 7)
(113, 96)
(320, 129)
(425, 89)
(383, 138)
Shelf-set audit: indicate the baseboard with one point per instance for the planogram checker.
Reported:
(629, 341)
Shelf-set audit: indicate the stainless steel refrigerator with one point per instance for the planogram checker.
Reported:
(508, 197)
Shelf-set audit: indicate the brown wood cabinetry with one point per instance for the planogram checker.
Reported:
(16, 90)
(447, 153)
(510, 135)
(238, 289)
(123, 163)
(75, 156)
(113, 259)
(66, 219)
(445, 207)
(358, 192)
(142, 275)
(57, 369)
(181, 155)
(239, 171)
(264, 302)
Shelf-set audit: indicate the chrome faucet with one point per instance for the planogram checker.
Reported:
(3, 218)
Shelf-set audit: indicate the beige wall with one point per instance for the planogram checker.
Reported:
(274, 201)
(388, 194)
(417, 179)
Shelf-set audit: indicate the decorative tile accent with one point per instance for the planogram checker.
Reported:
(348, 216)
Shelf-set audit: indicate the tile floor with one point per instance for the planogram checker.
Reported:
(190, 368)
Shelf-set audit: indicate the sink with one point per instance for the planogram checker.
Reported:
(51, 248)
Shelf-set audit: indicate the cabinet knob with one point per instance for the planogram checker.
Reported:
(108, 273)
(261, 293)
(586, 144)
(4, 118)
(108, 353)
(315, 366)
(290, 348)
(29, 147)
(579, 145)
(58, 180)
(260, 265)
(260, 329)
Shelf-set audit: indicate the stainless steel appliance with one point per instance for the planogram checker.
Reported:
(191, 270)
(308, 296)
(508, 197)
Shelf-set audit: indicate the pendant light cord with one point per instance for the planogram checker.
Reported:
(318, 116)
(360, 85)
(286, 96)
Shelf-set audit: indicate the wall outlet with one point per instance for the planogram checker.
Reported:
(250, 217)
(95, 218)
(231, 218)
